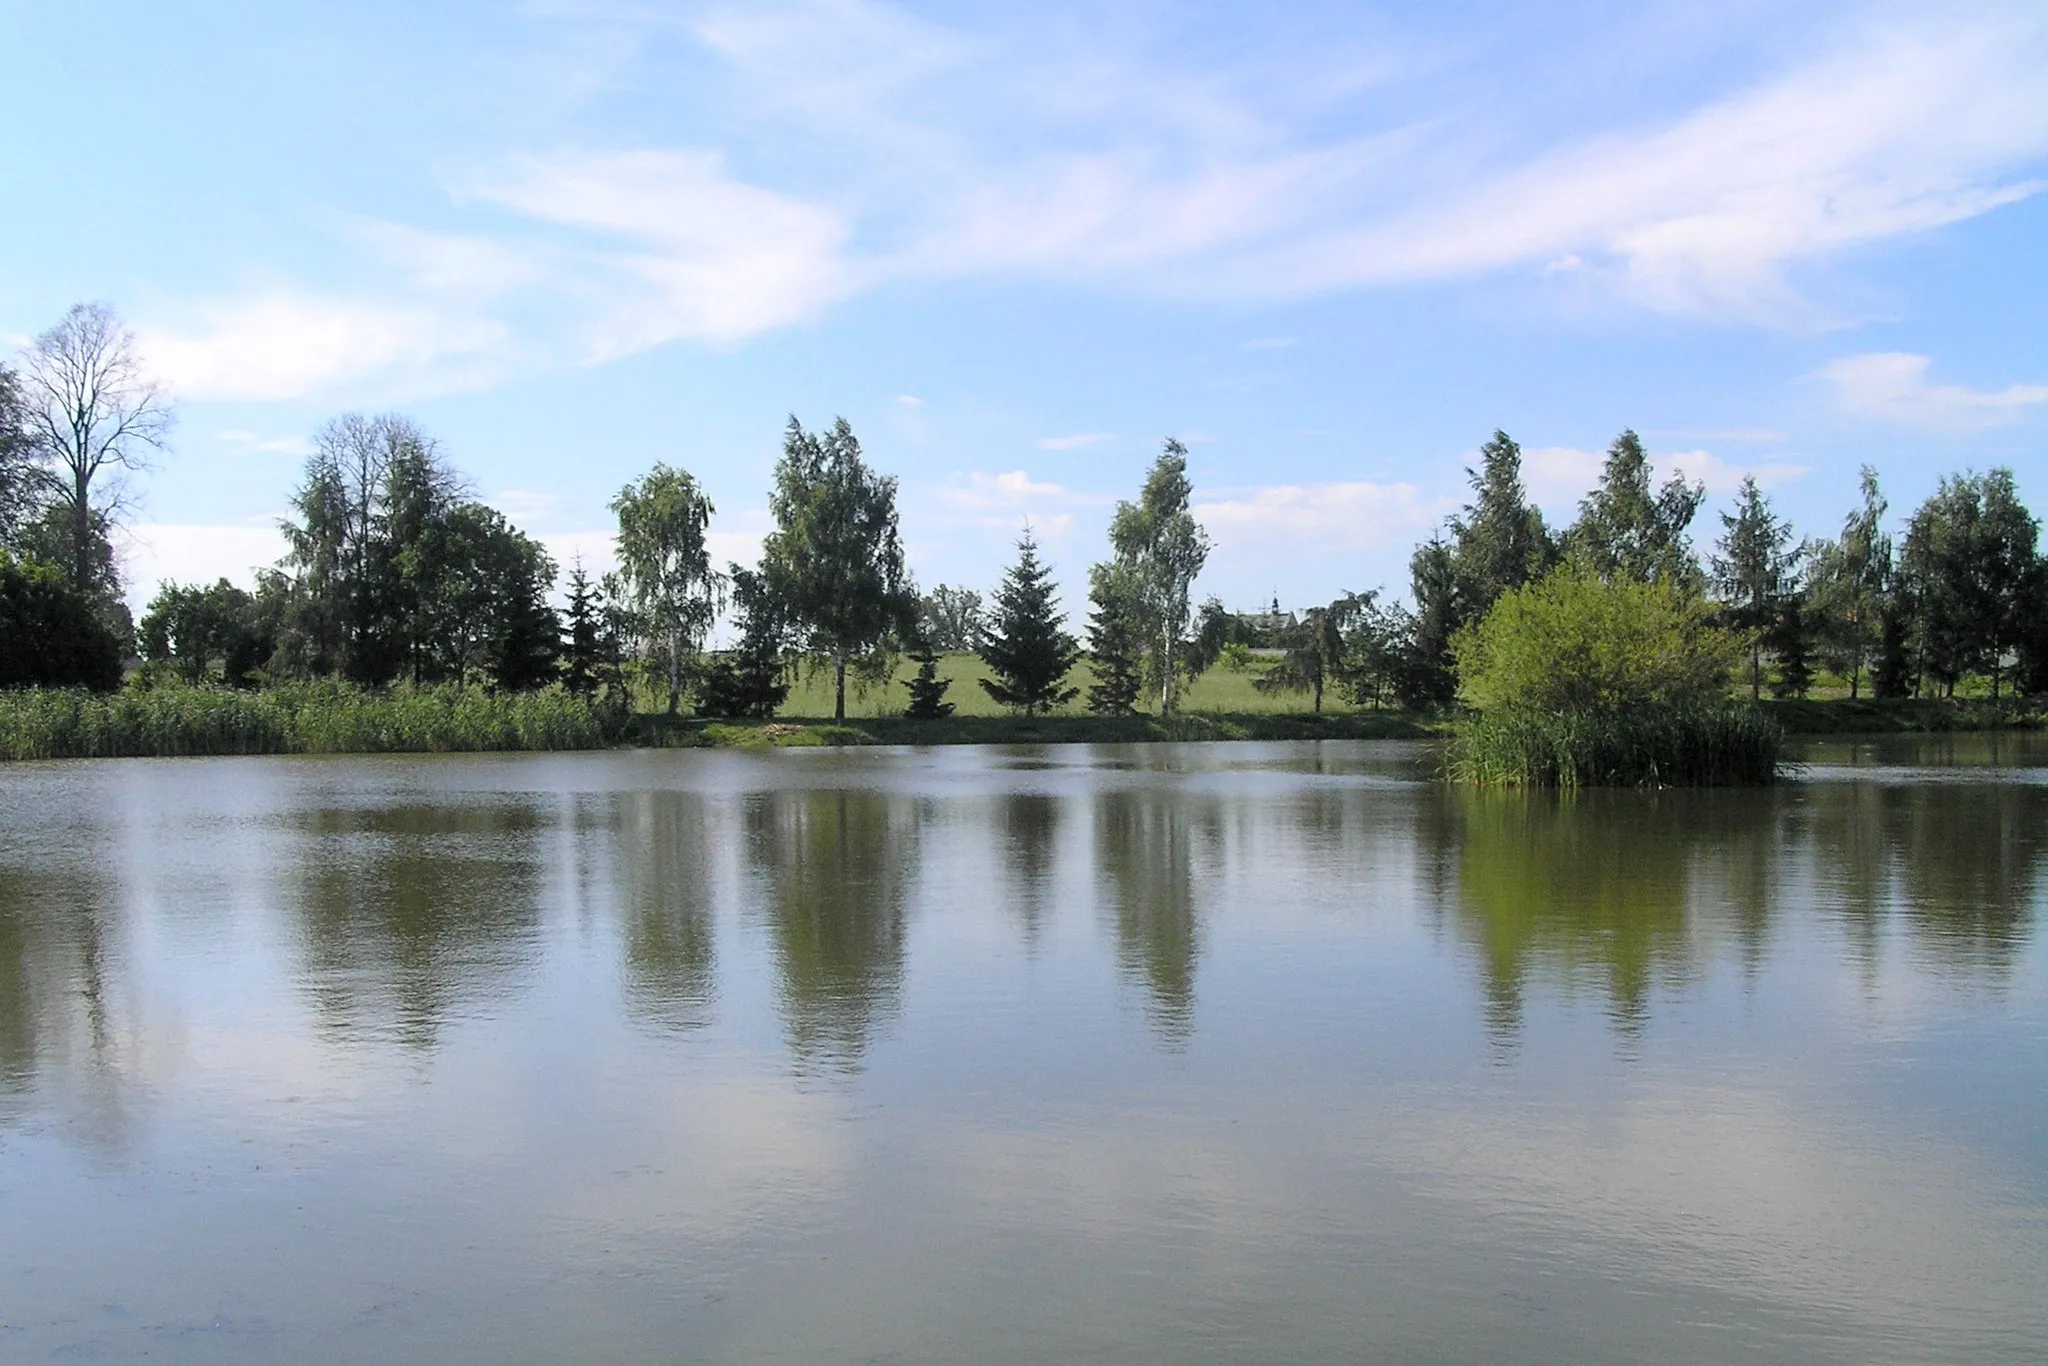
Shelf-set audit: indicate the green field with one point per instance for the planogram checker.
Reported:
(1220, 690)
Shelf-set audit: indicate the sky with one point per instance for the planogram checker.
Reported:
(1331, 247)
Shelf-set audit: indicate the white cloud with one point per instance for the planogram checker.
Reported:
(1074, 442)
(702, 256)
(523, 507)
(1892, 386)
(1346, 516)
(1014, 489)
(1558, 476)
(192, 553)
(280, 346)
(909, 401)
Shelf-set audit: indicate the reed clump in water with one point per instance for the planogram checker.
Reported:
(1652, 745)
(292, 718)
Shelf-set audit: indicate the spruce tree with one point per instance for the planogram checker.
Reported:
(1116, 644)
(750, 679)
(582, 659)
(927, 689)
(1028, 648)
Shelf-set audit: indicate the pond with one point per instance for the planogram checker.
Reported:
(1228, 1053)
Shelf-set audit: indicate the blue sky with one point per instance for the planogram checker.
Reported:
(1332, 247)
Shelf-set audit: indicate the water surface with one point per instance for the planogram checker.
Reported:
(1116, 1054)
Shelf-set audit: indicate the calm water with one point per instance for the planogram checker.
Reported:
(1183, 1054)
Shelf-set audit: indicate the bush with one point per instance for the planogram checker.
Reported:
(1575, 642)
(51, 634)
(1682, 745)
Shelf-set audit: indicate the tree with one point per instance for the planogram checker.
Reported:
(1027, 645)
(1847, 583)
(1754, 571)
(1968, 565)
(835, 560)
(1318, 651)
(927, 690)
(666, 568)
(196, 628)
(1425, 677)
(1500, 540)
(1787, 639)
(1159, 550)
(92, 414)
(1577, 641)
(1374, 645)
(581, 627)
(1627, 531)
(18, 472)
(1116, 643)
(52, 634)
(951, 619)
(749, 679)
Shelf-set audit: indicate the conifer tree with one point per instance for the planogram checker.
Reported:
(1116, 644)
(750, 679)
(581, 629)
(927, 689)
(1028, 647)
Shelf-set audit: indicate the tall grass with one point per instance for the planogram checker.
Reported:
(1713, 745)
(296, 718)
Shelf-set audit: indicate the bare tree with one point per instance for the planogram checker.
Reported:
(89, 410)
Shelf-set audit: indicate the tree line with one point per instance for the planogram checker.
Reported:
(396, 573)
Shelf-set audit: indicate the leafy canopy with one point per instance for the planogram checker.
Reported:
(1575, 641)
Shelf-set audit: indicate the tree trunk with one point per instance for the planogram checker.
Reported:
(81, 533)
(1319, 697)
(675, 681)
(839, 687)
(1166, 677)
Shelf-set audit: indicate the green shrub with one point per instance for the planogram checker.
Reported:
(1575, 642)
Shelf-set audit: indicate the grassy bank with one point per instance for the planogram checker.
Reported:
(1678, 746)
(1020, 730)
(302, 718)
(1899, 715)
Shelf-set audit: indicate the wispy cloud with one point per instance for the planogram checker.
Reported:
(1558, 476)
(1892, 386)
(831, 147)
(1074, 442)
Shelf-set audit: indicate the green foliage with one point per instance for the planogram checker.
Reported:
(1116, 641)
(1159, 549)
(665, 568)
(1970, 573)
(951, 618)
(1786, 639)
(1026, 647)
(327, 717)
(19, 482)
(1687, 744)
(1847, 583)
(1625, 530)
(1424, 676)
(1575, 641)
(927, 689)
(1500, 540)
(1318, 652)
(1754, 572)
(197, 629)
(51, 633)
(834, 563)
(751, 678)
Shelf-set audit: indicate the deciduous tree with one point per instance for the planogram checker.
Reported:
(834, 562)
(666, 568)
(1159, 550)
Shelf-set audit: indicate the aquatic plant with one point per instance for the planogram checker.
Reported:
(1651, 745)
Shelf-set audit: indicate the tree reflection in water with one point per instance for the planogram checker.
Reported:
(661, 850)
(834, 869)
(408, 912)
(1029, 827)
(1144, 854)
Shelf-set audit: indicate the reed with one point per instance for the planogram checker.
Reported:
(1704, 745)
(295, 718)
